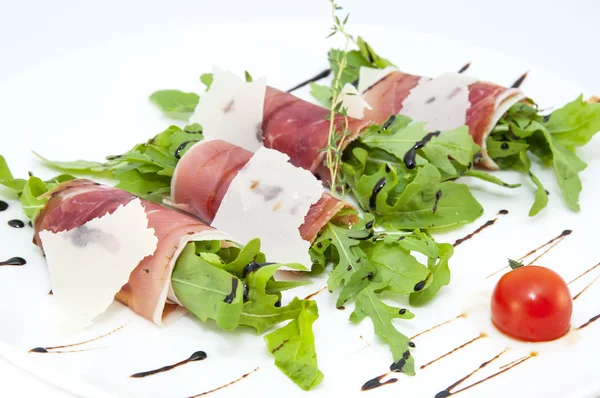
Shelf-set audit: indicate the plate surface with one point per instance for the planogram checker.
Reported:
(94, 102)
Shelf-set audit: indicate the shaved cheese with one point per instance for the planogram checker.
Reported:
(232, 110)
(268, 199)
(353, 102)
(369, 76)
(89, 264)
(442, 102)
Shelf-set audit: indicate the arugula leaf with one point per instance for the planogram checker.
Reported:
(368, 304)
(441, 276)
(367, 264)
(552, 138)
(228, 286)
(175, 104)
(575, 123)
(322, 94)
(207, 80)
(261, 311)
(30, 190)
(147, 168)
(207, 291)
(293, 347)
(424, 196)
(364, 56)
(7, 179)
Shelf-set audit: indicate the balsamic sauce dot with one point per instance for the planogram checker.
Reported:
(198, 356)
(443, 394)
(420, 286)
(16, 223)
(402, 311)
(369, 225)
(504, 145)
(412, 345)
(40, 350)
(3, 205)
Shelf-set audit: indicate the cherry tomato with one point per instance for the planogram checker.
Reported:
(532, 303)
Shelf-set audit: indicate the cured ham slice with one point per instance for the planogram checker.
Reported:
(75, 203)
(300, 129)
(446, 102)
(205, 172)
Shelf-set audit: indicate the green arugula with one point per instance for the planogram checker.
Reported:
(294, 349)
(176, 104)
(552, 138)
(425, 196)
(231, 286)
(366, 264)
(30, 191)
(355, 59)
(147, 168)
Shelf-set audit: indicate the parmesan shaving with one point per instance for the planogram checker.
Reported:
(89, 264)
(232, 110)
(268, 199)
(353, 102)
(442, 102)
(369, 76)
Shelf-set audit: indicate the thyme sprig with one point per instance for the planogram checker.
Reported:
(338, 133)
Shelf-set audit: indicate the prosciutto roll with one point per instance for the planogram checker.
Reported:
(74, 203)
(300, 129)
(446, 102)
(205, 172)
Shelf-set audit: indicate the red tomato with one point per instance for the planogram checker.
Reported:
(532, 303)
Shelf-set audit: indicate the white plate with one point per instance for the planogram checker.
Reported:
(94, 102)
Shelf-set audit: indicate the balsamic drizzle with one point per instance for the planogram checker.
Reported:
(478, 230)
(231, 296)
(437, 326)
(464, 68)
(182, 147)
(438, 196)
(388, 122)
(48, 349)
(519, 81)
(376, 189)
(503, 212)
(197, 356)
(446, 392)
(552, 243)
(14, 261)
(585, 273)
(225, 385)
(419, 286)
(586, 288)
(16, 224)
(588, 323)
(410, 156)
(376, 382)
(3, 205)
(253, 266)
(318, 76)
(315, 293)
(460, 347)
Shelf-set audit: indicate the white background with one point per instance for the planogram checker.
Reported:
(560, 36)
